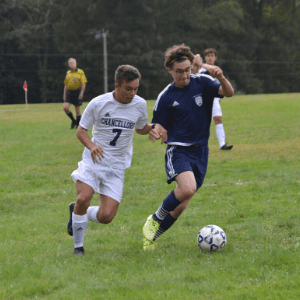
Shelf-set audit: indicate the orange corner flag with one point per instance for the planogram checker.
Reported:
(25, 85)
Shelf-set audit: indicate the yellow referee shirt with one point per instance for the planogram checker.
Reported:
(75, 79)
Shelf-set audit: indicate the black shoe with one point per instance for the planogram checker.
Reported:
(73, 124)
(70, 228)
(79, 251)
(226, 147)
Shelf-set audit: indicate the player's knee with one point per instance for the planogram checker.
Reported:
(189, 192)
(106, 219)
(65, 109)
(82, 200)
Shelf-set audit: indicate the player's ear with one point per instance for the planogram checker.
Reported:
(117, 85)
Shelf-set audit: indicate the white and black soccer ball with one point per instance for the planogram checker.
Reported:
(211, 238)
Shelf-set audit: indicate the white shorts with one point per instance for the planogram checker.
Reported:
(216, 111)
(102, 178)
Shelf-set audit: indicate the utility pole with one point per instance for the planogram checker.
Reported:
(98, 34)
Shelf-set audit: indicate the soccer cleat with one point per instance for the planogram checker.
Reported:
(79, 251)
(150, 228)
(73, 124)
(226, 147)
(148, 245)
(70, 228)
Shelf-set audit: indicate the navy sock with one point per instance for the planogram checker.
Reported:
(168, 205)
(167, 222)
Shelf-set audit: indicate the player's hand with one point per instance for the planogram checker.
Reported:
(80, 96)
(96, 153)
(157, 133)
(216, 72)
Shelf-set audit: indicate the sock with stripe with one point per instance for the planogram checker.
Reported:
(167, 222)
(70, 115)
(79, 225)
(169, 204)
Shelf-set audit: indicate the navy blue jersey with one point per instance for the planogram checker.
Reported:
(204, 71)
(186, 112)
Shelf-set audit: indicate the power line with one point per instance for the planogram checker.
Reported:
(152, 57)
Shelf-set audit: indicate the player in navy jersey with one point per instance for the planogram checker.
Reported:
(184, 110)
(210, 59)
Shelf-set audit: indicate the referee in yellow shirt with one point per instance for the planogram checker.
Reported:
(75, 83)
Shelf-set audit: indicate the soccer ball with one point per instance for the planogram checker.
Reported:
(211, 238)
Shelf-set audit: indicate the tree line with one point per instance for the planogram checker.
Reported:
(257, 43)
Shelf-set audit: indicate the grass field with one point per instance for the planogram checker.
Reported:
(252, 192)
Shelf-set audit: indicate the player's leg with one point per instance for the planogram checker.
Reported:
(66, 108)
(220, 132)
(78, 115)
(111, 188)
(79, 216)
(176, 163)
(105, 212)
(185, 190)
(188, 182)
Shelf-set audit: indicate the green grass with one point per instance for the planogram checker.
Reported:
(252, 192)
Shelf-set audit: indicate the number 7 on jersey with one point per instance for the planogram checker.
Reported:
(114, 141)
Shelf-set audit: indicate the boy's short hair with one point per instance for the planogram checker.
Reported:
(210, 50)
(127, 73)
(177, 53)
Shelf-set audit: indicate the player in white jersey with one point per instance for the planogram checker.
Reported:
(210, 59)
(114, 116)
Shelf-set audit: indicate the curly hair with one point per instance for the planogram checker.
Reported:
(177, 53)
(210, 50)
(127, 73)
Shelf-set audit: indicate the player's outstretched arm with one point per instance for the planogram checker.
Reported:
(226, 88)
(96, 151)
(147, 128)
(157, 133)
(154, 133)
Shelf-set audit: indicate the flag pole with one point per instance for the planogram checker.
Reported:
(25, 89)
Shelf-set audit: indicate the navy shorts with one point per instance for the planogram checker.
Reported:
(72, 97)
(193, 158)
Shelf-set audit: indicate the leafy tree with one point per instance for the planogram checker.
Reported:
(29, 25)
(257, 42)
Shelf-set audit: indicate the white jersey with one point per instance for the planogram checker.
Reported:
(113, 129)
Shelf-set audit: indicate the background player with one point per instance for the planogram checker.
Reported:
(210, 59)
(75, 83)
(183, 103)
(102, 169)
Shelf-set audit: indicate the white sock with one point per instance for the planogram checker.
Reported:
(220, 134)
(79, 225)
(92, 214)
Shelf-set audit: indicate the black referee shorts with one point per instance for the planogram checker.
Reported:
(72, 97)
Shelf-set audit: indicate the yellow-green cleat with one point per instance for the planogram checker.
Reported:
(148, 245)
(150, 228)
